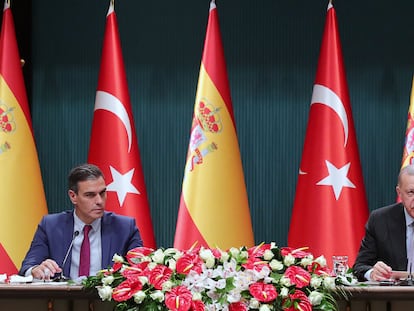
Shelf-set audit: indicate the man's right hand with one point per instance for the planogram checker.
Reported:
(381, 271)
(46, 270)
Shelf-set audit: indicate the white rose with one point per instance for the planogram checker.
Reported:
(284, 292)
(117, 258)
(152, 265)
(143, 279)
(244, 254)
(306, 261)
(157, 296)
(197, 296)
(285, 281)
(139, 296)
(264, 307)
(315, 298)
(254, 304)
(172, 264)
(329, 282)
(321, 261)
(276, 265)
(107, 280)
(234, 251)
(105, 292)
(206, 253)
(289, 260)
(171, 251)
(315, 282)
(224, 256)
(268, 255)
(158, 256)
(210, 262)
(167, 286)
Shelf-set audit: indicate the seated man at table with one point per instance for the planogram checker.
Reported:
(59, 239)
(388, 242)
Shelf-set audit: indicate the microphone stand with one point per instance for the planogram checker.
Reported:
(61, 277)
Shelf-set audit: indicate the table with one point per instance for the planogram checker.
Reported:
(376, 298)
(50, 297)
(64, 297)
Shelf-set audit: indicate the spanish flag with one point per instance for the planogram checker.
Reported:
(408, 152)
(214, 209)
(22, 198)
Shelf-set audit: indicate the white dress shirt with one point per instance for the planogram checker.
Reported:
(95, 244)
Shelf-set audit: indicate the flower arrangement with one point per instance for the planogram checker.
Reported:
(264, 277)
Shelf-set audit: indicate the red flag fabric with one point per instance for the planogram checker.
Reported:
(113, 145)
(214, 210)
(330, 207)
(23, 201)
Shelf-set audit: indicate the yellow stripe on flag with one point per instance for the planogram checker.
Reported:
(213, 186)
(22, 200)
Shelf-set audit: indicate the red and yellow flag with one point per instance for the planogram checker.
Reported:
(22, 196)
(114, 145)
(408, 152)
(330, 207)
(214, 209)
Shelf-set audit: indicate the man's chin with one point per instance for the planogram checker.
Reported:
(98, 213)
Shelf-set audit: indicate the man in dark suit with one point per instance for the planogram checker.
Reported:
(61, 235)
(388, 240)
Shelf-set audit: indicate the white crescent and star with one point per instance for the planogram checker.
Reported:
(121, 183)
(337, 176)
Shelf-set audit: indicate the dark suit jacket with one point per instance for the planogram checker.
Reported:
(55, 231)
(385, 240)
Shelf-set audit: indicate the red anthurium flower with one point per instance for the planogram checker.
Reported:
(189, 262)
(198, 305)
(255, 263)
(138, 252)
(126, 289)
(295, 252)
(263, 292)
(135, 269)
(317, 269)
(258, 251)
(179, 299)
(159, 275)
(298, 276)
(117, 266)
(238, 306)
(298, 301)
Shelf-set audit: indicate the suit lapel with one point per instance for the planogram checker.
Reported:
(106, 229)
(399, 246)
(67, 239)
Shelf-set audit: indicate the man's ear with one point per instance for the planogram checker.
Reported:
(72, 196)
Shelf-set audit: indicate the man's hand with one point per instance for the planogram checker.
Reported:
(46, 270)
(380, 271)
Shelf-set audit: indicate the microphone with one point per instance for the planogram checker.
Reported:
(61, 277)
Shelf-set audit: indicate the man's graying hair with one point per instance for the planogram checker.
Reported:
(406, 170)
(81, 173)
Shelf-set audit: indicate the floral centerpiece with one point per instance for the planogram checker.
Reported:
(264, 277)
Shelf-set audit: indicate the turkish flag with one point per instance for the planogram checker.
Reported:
(114, 145)
(330, 207)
